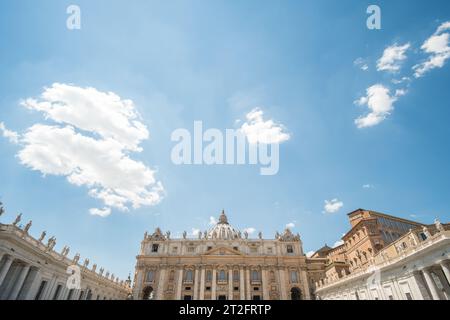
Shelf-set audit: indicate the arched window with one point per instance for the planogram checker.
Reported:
(188, 275)
(235, 275)
(296, 294)
(208, 275)
(222, 275)
(147, 293)
(272, 276)
(172, 275)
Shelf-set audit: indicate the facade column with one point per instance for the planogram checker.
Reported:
(9, 260)
(214, 284)
(248, 285)
(282, 283)
(230, 283)
(431, 285)
(19, 282)
(306, 284)
(179, 284)
(161, 282)
(138, 284)
(242, 283)
(444, 267)
(264, 283)
(196, 284)
(202, 282)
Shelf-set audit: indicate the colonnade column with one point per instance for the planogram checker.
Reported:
(431, 285)
(9, 260)
(19, 282)
(446, 270)
(241, 282)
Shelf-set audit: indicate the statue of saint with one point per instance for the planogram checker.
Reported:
(28, 226)
(43, 234)
(18, 218)
(438, 225)
(260, 235)
(184, 234)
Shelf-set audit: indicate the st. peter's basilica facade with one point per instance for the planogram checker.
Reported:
(222, 264)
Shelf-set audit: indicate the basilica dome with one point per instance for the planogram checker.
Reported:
(223, 230)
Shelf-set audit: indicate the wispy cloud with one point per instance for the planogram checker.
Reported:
(290, 225)
(392, 58)
(212, 221)
(380, 103)
(361, 63)
(100, 212)
(12, 136)
(437, 46)
(250, 230)
(338, 243)
(333, 206)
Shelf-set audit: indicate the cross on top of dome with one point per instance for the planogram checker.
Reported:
(223, 217)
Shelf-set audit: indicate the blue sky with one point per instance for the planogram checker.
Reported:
(215, 61)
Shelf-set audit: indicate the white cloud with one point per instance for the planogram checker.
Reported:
(12, 136)
(401, 80)
(195, 232)
(257, 130)
(380, 103)
(361, 63)
(338, 243)
(368, 186)
(310, 253)
(290, 225)
(100, 212)
(250, 230)
(392, 58)
(437, 46)
(212, 221)
(443, 27)
(91, 145)
(332, 206)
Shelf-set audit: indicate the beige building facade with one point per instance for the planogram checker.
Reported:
(221, 264)
(30, 269)
(386, 257)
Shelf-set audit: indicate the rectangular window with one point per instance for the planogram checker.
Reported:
(187, 297)
(256, 297)
(41, 290)
(155, 247)
(69, 296)
(254, 250)
(150, 276)
(236, 248)
(187, 288)
(269, 250)
(57, 291)
(174, 249)
(289, 249)
(208, 288)
(294, 277)
(408, 296)
(191, 249)
(209, 248)
(236, 288)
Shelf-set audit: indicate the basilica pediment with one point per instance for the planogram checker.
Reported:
(223, 251)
